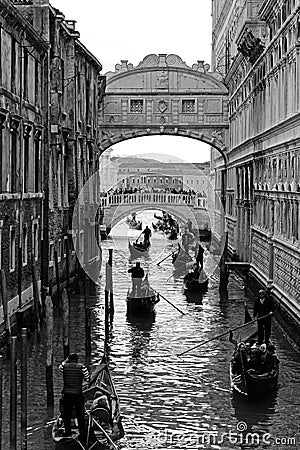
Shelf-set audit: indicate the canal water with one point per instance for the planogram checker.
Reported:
(168, 401)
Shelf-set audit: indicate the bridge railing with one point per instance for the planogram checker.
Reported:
(154, 197)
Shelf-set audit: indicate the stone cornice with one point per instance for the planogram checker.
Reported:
(82, 50)
(21, 24)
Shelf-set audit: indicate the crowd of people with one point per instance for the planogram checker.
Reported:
(131, 190)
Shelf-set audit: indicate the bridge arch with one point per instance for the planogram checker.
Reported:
(162, 95)
(183, 207)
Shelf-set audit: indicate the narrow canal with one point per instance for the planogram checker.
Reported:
(170, 402)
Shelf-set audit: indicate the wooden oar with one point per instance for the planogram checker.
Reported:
(168, 301)
(223, 334)
(139, 237)
(166, 257)
(106, 435)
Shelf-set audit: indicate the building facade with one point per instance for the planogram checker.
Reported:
(23, 62)
(256, 47)
(50, 89)
(151, 174)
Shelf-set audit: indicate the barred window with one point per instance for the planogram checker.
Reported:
(188, 106)
(136, 106)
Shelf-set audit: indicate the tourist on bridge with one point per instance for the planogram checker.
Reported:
(147, 234)
(199, 252)
(263, 306)
(137, 274)
(73, 373)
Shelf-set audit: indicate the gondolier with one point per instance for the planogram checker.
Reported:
(199, 252)
(147, 234)
(137, 274)
(263, 306)
(74, 373)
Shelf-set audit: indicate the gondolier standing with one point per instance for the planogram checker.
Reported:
(263, 306)
(74, 373)
(199, 252)
(137, 274)
(147, 234)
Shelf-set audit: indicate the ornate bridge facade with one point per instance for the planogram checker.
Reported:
(183, 207)
(163, 95)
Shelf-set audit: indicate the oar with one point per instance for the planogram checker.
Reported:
(166, 257)
(223, 334)
(105, 434)
(139, 237)
(168, 301)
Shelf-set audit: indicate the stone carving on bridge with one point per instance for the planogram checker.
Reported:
(193, 101)
(163, 81)
(162, 106)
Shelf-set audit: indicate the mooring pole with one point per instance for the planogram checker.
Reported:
(65, 318)
(13, 393)
(1, 397)
(67, 262)
(5, 309)
(24, 389)
(88, 343)
(111, 294)
(49, 350)
(58, 293)
(36, 297)
(224, 273)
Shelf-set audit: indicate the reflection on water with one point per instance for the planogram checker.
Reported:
(168, 402)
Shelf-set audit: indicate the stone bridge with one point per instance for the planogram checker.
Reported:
(181, 206)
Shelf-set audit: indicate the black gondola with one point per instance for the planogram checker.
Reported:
(247, 381)
(103, 423)
(194, 282)
(181, 259)
(138, 249)
(144, 301)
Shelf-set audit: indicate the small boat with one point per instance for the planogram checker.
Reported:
(171, 234)
(137, 250)
(244, 380)
(103, 420)
(133, 224)
(144, 302)
(193, 283)
(157, 216)
(181, 259)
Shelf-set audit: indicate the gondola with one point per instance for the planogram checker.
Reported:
(181, 259)
(103, 421)
(245, 381)
(133, 224)
(138, 250)
(171, 234)
(193, 283)
(144, 301)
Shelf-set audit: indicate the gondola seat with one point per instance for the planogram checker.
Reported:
(101, 414)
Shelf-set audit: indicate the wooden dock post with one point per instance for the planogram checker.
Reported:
(58, 292)
(65, 318)
(1, 397)
(24, 389)
(224, 273)
(106, 314)
(13, 393)
(111, 294)
(36, 297)
(5, 309)
(20, 266)
(49, 350)
(88, 341)
(67, 262)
